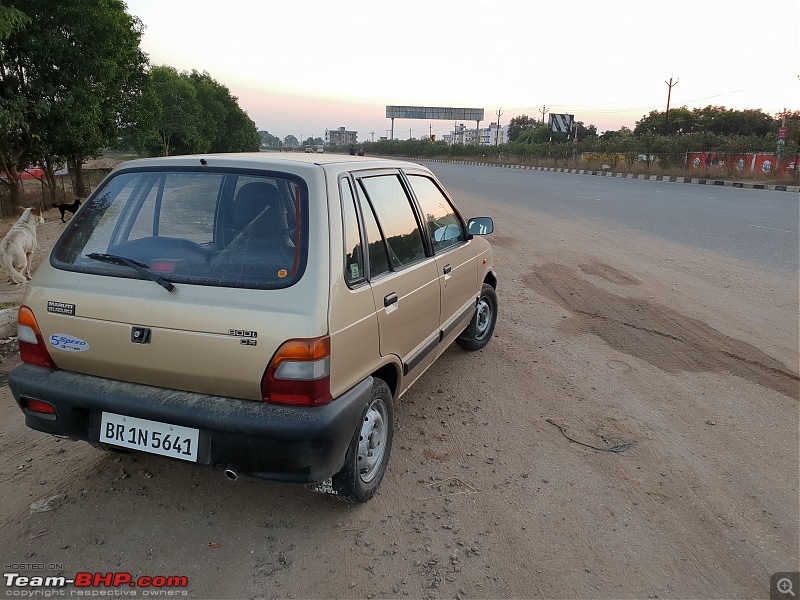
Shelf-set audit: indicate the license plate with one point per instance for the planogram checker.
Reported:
(150, 436)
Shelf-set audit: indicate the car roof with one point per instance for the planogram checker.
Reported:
(261, 160)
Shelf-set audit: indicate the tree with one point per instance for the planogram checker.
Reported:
(269, 140)
(67, 79)
(178, 126)
(681, 120)
(610, 134)
(584, 132)
(224, 124)
(191, 113)
(313, 141)
(11, 20)
(711, 119)
(241, 134)
(519, 125)
(718, 119)
(538, 135)
(290, 141)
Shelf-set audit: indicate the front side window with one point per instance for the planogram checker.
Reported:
(444, 226)
(396, 217)
(219, 228)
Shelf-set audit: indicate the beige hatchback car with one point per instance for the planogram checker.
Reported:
(256, 313)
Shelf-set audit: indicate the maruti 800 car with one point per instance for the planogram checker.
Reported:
(256, 313)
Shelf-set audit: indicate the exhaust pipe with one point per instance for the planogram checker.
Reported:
(231, 474)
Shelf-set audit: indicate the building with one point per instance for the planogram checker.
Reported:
(462, 135)
(494, 135)
(489, 136)
(340, 137)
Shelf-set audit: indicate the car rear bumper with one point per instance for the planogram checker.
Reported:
(282, 443)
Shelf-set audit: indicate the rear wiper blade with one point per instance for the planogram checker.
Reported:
(115, 259)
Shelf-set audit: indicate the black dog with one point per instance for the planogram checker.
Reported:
(63, 208)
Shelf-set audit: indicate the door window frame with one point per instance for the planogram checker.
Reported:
(418, 209)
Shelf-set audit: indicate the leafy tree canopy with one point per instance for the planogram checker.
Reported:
(711, 119)
(66, 79)
(267, 139)
(537, 135)
(519, 125)
(11, 20)
(584, 131)
(192, 113)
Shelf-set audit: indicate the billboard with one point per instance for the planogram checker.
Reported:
(434, 112)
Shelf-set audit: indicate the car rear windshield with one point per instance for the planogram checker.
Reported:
(217, 228)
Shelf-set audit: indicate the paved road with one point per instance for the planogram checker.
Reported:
(755, 226)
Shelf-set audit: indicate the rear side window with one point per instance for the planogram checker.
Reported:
(354, 255)
(222, 228)
(396, 218)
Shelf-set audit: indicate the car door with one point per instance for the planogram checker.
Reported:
(402, 274)
(455, 256)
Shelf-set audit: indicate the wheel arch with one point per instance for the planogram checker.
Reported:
(390, 373)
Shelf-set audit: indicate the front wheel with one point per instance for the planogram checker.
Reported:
(368, 455)
(481, 328)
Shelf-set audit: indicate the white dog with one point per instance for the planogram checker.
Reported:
(17, 248)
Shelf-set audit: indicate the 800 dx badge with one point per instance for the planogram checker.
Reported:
(248, 338)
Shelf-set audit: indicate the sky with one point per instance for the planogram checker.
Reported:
(300, 67)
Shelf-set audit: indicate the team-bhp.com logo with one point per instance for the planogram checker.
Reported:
(88, 584)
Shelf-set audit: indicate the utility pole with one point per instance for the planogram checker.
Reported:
(781, 142)
(497, 132)
(430, 130)
(544, 112)
(669, 94)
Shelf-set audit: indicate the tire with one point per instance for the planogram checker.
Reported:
(368, 454)
(481, 328)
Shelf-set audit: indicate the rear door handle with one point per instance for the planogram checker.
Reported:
(446, 270)
(390, 299)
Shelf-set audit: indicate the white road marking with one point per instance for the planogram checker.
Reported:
(773, 228)
(695, 195)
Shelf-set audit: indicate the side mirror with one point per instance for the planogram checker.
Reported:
(480, 226)
(447, 233)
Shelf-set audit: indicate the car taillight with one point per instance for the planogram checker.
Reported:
(32, 348)
(299, 374)
(39, 406)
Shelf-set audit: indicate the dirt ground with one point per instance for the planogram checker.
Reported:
(681, 362)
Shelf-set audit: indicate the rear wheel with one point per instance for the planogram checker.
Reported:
(481, 328)
(368, 455)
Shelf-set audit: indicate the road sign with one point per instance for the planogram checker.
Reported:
(561, 123)
(782, 133)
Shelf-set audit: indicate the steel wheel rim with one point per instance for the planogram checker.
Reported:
(483, 317)
(372, 441)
